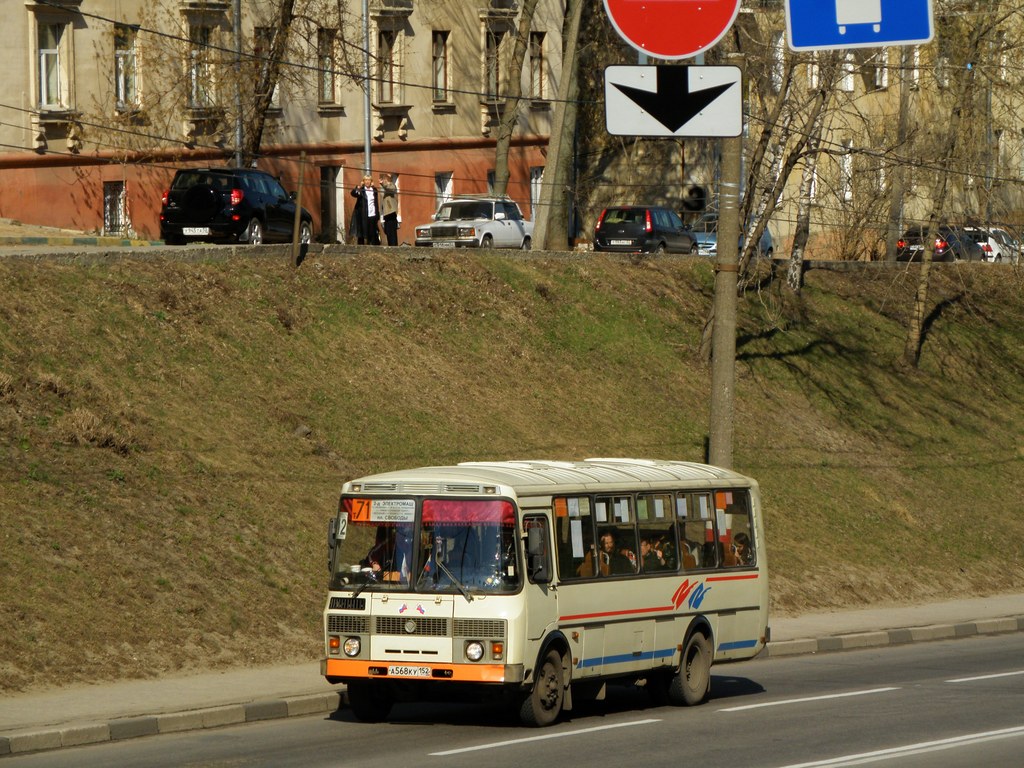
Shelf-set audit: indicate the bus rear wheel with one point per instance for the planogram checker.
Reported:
(691, 684)
(368, 702)
(544, 703)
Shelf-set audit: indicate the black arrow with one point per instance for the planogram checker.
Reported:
(672, 104)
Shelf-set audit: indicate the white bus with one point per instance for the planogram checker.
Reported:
(542, 581)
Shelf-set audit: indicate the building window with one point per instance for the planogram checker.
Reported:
(443, 187)
(813, 73)
(439, 54)
(778, 65)
(881, 66)
(538, 73)
(200, 67)
(492, 177)
(387, 66)
(536, 187)
(849, 65)
(263, 50)
(846, 172)
(492, 64)
(53, 83)
(126, 73)
(326, 40)
(115, 208)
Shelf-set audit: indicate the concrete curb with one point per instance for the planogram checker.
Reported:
(76, 240)
(57, 737)
(880, 638)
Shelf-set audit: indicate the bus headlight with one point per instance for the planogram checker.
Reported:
(474, 650)
(352, 646)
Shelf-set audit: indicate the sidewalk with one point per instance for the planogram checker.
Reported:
(109, 712)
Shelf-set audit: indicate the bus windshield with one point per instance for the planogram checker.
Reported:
(465, 546)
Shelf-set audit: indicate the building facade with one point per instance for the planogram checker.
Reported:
(105, 99)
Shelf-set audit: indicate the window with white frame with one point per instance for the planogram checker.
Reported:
(846, 172)
(443, 187)
(880, 60)
(439, 59)
(54, 66)
(538, 73)
(813, 72)
(200, 66)
(326, 43)
(387, 67)
(536, 187)
(778, 64)
(846, 82)
(492, 63)
(126, 68)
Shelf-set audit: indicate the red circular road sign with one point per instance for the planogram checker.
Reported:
(672, 29)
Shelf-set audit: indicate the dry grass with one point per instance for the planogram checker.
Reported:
(174, 435)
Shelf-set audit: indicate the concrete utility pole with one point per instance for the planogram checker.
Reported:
(723, 332)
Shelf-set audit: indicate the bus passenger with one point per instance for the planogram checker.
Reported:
(741, 547)
(651, 555)
(611, 561)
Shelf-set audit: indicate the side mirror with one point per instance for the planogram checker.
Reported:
(539, 564)
(499, 216)
(332, 541)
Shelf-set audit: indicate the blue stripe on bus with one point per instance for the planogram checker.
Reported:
(624, 658)
(737, 645)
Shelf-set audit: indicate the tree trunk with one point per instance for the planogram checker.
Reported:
(513, 97)
(551, 228)
(269, 74)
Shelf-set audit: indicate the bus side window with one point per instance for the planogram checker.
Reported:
(738, 536)
(576, 541)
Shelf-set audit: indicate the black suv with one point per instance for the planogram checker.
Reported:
(951, 244)
(239, 205)
(642, 229)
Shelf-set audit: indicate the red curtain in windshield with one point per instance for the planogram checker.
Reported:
(457, 511)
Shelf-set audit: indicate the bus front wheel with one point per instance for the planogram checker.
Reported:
(368, 702)
(543, 704)
(691, 684)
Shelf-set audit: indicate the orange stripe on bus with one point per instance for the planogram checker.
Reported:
(474, 673)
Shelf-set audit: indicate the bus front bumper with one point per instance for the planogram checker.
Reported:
(340, 670)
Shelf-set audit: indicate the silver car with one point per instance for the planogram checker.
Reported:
(477, 222)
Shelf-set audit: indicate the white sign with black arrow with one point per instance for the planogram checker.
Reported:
(672, 100)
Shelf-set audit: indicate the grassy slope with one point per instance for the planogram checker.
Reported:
(173, 436)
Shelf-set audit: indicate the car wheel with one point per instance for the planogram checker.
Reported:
(487, 241)
(694, 249)
(254, 233)
(527, 243)
(769, 254)
(660, 250)
(305, 233)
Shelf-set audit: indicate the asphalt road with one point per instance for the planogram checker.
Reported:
(942, 705)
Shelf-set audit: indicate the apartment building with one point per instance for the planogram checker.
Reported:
(104, 99)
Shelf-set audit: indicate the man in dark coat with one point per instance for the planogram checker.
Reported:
(366, 213)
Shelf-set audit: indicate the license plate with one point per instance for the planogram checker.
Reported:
(620, 242)
(400, 670)
(195, 231)
(917, 247)
(444, 244)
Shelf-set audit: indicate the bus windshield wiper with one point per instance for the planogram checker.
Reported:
(459, 585)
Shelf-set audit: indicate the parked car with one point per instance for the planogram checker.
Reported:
(951, 244)
(237, 205)
(477, 222)
(992, 245)
(1009, 245)
(706, 231)
(642, 229)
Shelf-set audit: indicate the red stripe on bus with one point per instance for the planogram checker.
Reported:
(615, 613)
(745, 577)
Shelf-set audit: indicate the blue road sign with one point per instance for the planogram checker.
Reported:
(817, 25)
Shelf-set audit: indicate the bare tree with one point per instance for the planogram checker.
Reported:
(513, 96)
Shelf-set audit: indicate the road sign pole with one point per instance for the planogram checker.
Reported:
(723, 332)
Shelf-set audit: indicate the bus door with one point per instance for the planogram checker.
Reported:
(541, 597)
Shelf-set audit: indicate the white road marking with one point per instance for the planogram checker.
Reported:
(515, 742)
(985, 677)
(785, 702)
(912, 749)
